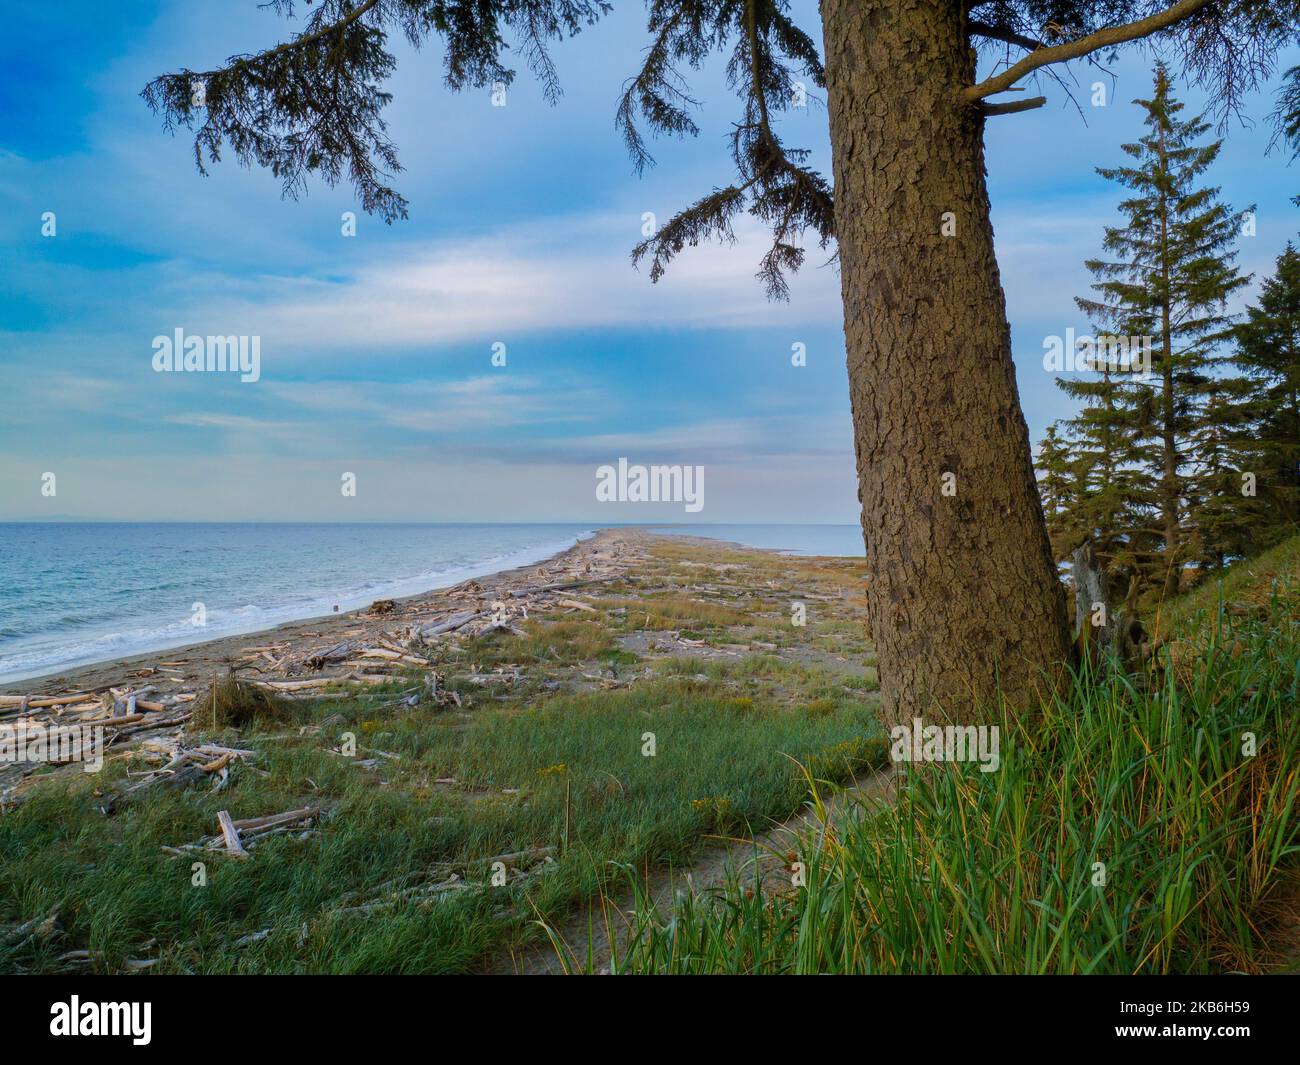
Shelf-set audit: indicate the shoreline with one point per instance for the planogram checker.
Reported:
(216, 651)
(78, 668)
(397, 589)
(435, 739)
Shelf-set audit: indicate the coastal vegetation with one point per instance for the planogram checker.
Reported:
(1141, 824)
(549, 772)
(1134, 827)
(945, 478)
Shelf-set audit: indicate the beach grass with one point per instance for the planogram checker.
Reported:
(441, 789)
(1128, 830)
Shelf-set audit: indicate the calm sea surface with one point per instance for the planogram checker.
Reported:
(72, 593)
(79, 592)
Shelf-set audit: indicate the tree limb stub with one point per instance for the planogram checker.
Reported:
(1102, 627)
(1013, 107)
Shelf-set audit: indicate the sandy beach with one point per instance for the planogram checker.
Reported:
(151, 698)
(177, 670)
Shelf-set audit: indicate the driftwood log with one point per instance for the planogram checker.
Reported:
(450, 624)
(1102, 627)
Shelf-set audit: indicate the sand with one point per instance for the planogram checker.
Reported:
(609, 553)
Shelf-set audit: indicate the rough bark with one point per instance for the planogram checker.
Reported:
(964, 599)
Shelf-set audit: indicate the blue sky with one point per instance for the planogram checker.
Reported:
(376, 348)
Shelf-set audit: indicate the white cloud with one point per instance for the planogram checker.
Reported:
(563, 274)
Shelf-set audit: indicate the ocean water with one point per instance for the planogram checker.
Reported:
(841, 540)
(73, 593)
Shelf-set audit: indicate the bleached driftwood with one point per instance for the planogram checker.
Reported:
(449, 624)
(1102, 626)
(231, 835)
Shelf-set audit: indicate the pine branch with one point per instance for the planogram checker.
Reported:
(1092, 42)
(1006, 36)
(303, 40)
(774, 183)
(313, 104)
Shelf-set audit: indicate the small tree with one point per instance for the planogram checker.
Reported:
(1170, 272)
(1107, 510)
(1268, 353)
(1230, 517)
(1062, 483)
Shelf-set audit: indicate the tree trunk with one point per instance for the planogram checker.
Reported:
(1169, 444)
(1169, 480)
(964, 601)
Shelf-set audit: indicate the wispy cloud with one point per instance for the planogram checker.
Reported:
(559, 275)
(497, 403)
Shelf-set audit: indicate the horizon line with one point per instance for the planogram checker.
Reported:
(381, 521)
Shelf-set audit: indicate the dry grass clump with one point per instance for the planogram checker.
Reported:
(233, 703)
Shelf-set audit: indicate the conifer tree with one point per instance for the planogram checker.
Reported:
(1111, 494)
(1268, 354)
(1169, 272)
(1062, 485)
(1229, 515)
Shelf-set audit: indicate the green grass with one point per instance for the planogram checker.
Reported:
(663, 612)
(1254, 580)
(968, 872)
(566, 772)
(974, 872)
(565, 642)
